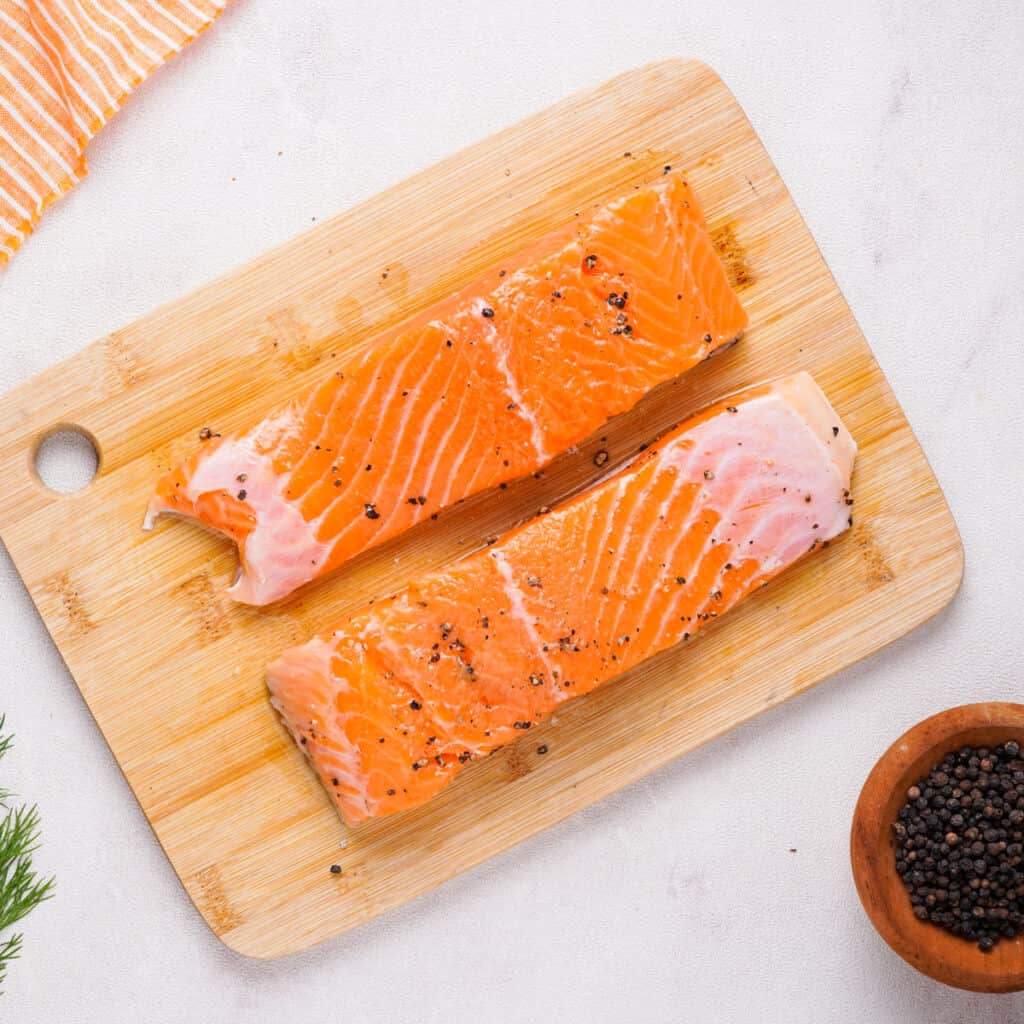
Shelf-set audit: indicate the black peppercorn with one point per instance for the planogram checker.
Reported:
(959, 844)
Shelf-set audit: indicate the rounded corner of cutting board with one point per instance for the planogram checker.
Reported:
(953, 577)
(685, 71)
(944, 579)
(255, 948)
(255, 944)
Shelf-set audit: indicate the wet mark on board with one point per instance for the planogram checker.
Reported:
(205, 603)
(394, 282)
(213, 901)
(289, 337)
(734, 256)
(348, 312)
(878, 571)
(168, 455)
(517, 762)
(121, 366)
(78, 619)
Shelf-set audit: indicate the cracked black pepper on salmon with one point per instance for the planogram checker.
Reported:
(484, 388)
(567, 601)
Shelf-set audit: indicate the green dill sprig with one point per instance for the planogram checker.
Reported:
(21, 889)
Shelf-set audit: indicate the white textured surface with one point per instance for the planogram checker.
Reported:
(899, 127)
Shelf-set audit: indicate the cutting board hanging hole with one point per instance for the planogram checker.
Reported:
(66, 459)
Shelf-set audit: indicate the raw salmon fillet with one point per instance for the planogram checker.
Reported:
(487, 387)
(391, 704)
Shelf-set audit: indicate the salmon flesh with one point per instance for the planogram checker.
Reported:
(391, 704)
(487, 387)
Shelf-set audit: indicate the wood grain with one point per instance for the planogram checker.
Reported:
(930, 949)
(173, 672)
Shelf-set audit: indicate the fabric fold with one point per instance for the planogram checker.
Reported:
(66, 66)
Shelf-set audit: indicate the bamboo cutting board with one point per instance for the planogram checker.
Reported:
(172, 671)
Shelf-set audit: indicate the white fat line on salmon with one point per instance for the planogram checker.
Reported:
(458, 462)
(700, 300)
(314, 660)
(281, 539)
(710, 434)
(339, 446)
(794, 542)
(423, 432)
(326, 420)
(690, 571)
(830, 524)
(826, 443)
(790, 505)
(636, 499)
(609, 520)
(512, 387)
(479, 466)
(827, 428)
(584, 547)
(725, 519)
(681, 480)
(681, 246)
(515, 597)
(696, 509)
(715, 433)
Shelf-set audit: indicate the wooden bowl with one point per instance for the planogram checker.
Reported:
(926, 946)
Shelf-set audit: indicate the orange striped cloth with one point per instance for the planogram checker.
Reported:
(65, 67)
